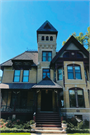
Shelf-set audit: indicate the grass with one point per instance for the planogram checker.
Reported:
(79, 134)
(15, 134)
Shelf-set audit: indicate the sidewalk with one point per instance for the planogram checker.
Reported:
(46, 134)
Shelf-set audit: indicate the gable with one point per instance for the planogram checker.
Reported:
(72, 46)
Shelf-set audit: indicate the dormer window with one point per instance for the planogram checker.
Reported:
(42, 37)
(47, 38)
(51, 38)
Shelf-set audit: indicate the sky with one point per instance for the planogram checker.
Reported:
(19, 21)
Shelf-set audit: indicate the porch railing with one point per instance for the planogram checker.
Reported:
(5, 108)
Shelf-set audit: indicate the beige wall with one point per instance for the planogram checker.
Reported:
(8, 75)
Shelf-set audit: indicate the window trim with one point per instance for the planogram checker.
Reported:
(76, 96)
(47, 72)
(23, 76)
(46, 55)
(74, 75)
(19, 76)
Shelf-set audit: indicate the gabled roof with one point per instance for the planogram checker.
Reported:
(72, 39)
(47, 83)
(47, 27)
(27, 55)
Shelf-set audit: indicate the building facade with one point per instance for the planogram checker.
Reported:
(46, 80)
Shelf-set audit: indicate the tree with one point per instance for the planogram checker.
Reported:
(83, 39)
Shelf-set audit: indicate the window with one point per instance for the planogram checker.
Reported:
(51, 38)
(79, 55)
(60, 76)
(25, 75)
(42, 37)
(76, 98)
(17, 76)
(47, 38)
(46, 56)
(66, 55)
(46, 72)
(74, 72)
(86, 74)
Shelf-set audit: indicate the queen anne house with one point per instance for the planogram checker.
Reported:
(46, 81)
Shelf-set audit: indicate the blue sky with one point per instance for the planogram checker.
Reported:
(21, 19)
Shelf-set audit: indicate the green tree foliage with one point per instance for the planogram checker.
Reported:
(83, 39)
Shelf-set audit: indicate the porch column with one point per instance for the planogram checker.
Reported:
(35, 101)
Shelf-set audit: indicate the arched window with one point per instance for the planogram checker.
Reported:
(79, 55)
(51, 38)
(47, 38)
(76, 97)
(74, 71)
(66, 55)
(42, 37)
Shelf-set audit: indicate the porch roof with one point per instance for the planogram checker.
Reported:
(47, 83)
(16, 85)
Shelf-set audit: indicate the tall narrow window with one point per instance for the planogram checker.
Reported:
(77, 72)
(60, 76)
(70, 72)
(51, 38)
(17, 76)
(72, 98)
(42, 37)
(25, 75)
(76, 97)
(47, 38)
(46, 72)
(46, 56)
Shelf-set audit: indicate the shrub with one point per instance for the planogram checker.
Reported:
(32, 122)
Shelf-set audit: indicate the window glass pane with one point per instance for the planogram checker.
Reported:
(26, 72)
(44, 53)
(49, 58)
(25, 79)
(17, 72)
(60, 74)
(79, 55)
(70, 76)
(72, 98)
(49, 54)
(80, 98)
(78, 75)
(66, 55)
(47, 38)
(16, 79)
(70, 68)
(77, 72)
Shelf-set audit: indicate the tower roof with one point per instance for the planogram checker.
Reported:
(47, 28)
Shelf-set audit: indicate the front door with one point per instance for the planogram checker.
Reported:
(46, 100)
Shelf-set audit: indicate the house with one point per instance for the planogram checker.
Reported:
(46, 80)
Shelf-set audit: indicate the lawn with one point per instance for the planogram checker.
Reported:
(79, 134)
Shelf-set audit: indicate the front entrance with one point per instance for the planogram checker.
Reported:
(46, 100)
